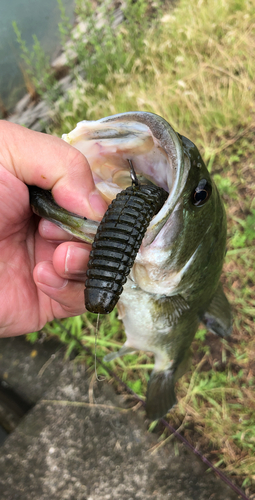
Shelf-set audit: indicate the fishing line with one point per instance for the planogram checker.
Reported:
(96, 334)
(218, 472)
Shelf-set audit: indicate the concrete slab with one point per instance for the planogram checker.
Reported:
(30, 369)
(88, 448)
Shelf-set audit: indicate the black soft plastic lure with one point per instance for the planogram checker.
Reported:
(117, 242)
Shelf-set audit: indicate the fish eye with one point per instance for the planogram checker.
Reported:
(202, 193)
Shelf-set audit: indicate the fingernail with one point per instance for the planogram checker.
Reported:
(76, 260)
(50, 278)
(97, 203)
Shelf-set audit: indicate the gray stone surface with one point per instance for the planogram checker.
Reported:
(65, 83)
(22, 104)
(34, 117)
(30, 369)
(94, 451)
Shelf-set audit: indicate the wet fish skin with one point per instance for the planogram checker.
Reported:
(174, 283)
(43, 204)
(201, 233)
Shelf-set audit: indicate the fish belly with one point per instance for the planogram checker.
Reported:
(142, 331)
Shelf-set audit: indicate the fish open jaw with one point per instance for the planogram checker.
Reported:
(151, 144)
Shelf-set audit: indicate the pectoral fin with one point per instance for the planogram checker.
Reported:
(123, 350)
(170, 307)
(218, 317)
(160, 394)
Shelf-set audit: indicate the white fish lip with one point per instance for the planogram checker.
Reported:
(145, 138)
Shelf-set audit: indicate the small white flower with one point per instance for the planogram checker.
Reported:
(179, 59)
(182, 84)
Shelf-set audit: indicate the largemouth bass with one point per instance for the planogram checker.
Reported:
(174, 282)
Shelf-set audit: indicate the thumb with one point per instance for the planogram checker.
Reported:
(50, 163)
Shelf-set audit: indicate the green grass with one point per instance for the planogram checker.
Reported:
(193, 65)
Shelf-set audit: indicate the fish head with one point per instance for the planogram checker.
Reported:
(184, 244)
(195, 232)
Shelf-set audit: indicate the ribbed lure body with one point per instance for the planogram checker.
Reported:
(117, 242)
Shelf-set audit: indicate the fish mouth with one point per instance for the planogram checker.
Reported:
(149, 142)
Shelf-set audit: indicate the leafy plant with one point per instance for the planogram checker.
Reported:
(245, 236)
(64, 27)
(37, 67)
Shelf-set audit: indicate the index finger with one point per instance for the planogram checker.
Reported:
(50, 163)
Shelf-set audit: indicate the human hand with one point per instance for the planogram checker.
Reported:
(42, 272)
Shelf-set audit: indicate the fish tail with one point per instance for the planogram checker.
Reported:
(160, 394)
